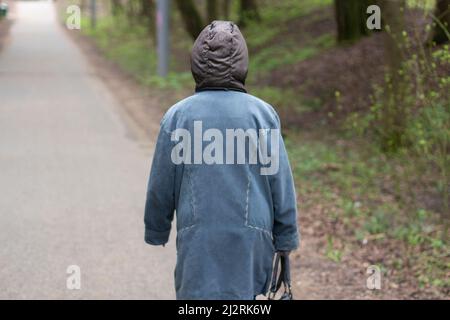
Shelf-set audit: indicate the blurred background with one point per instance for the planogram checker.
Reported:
(365, 115)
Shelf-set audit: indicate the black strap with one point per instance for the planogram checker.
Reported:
(284, 277)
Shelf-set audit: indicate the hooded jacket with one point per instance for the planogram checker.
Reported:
(219, 57)
(234, 206)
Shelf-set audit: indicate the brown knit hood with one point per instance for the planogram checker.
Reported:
(219, 58)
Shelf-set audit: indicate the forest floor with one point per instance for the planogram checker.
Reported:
(351, 204)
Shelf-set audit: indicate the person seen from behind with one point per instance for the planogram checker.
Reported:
(220, 163)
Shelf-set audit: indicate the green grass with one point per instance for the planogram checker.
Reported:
(275, 15)
(285, 100)
(264, 55)
(288, 53)
(349, 181)
(133, 48)
(331, 252)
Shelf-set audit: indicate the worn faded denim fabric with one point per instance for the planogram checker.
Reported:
(230, 218)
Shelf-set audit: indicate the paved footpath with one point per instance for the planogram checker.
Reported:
(72, 177)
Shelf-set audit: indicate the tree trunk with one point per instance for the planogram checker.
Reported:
(82, 5)
(394, 112)
(132, 11)
(211, 10)
(116, 7)
(351, 19)
(226, 9)
(191, 17)
(442, 29)
(147, 9)
(148, 15)
(248, 12)
(393, 14)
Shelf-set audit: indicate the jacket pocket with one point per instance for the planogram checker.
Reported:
(258, 208)
(186, 215)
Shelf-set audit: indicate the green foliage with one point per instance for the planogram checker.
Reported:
(128, 45)
(275, 96)
(405, 112)
(421, 4)
(331, 252)
(350, 208)
(410, 114)
(309, 157)
(174, 80)
(349, 181)
(379, 221)
(286, 101)
(288, 53)
(273, 17)
(283, 11)
(132, 47)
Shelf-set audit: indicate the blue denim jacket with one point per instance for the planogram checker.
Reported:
(230, 217)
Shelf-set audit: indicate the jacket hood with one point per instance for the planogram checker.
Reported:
(219, 57)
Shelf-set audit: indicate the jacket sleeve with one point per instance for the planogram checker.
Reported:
(285, 232)
(160, 203)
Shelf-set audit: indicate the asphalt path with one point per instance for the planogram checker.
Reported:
(72, 178)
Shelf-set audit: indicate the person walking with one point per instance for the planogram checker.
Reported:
(221, 164)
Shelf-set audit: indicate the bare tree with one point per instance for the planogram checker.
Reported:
(393, 119)
(132, 11)
(351, 19)
(148, 9)
(441, 31)
(211, 10)
(148, 13)
(248, 12)
(191, 17)
(226, 9)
